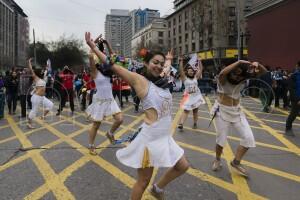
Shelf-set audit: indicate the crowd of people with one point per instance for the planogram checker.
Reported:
(151, 86)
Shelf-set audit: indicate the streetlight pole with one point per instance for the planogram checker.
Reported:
(238, 29)
(34, 48)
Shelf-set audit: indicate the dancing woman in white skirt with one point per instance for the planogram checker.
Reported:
(103, 104)
(38, 97)
(228, 114)
(154, 146)
(189, 76)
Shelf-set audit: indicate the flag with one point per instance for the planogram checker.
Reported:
(49, 68)
(194, 62)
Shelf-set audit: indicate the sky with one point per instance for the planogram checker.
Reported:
(54, 18)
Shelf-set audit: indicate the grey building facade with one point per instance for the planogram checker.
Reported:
(115, 29)
(207, 27)
(14, 35)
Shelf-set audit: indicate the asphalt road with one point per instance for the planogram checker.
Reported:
(64, 169)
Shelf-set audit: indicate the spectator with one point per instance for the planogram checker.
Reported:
(2, 97)
(25, 90)
(67, 77)
(294, 88)
(266, 91)
(12, 92)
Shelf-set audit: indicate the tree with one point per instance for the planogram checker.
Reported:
(65, 51)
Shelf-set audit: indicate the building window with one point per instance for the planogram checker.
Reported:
(193, 47)
(179, 29)
(180, 50)
(174, 21)
(186, 48)
(169, 24)
(174, 41)
(232, 27)
(231, 11)
(186, 15)
(179, 18)
(169, 33)
(193, 35)
(201, 44)
(174, 31)
(160, 34)
(180, 39)
(186, 26)
(210, 42)
(232, 41)
(186, 37)
(210, 29)
(161, 41)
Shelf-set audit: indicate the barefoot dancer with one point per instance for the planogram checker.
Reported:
(154, 146)
(189, 76)
(228, 114)
(103, 104)
(38, 98)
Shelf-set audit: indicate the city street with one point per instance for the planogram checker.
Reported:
(63, 168)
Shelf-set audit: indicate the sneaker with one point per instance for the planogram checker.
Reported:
(156, 194)
(217, 165)
(195, 126)
(92, 150)
(180, 127)
(58, 113)
(289, 132)
(30, 126)
(240, 169)
(110, 137)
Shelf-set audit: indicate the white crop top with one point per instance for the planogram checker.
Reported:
(191, 86)
(233, 91)
(40, 83)
(103, 86)
(159, 99)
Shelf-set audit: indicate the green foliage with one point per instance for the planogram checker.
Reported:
(65, 51)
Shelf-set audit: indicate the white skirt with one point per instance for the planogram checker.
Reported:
(193, 101)
(154, 146)
(101, 108)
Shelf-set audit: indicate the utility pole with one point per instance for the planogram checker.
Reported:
(240, 53)
(34, 49)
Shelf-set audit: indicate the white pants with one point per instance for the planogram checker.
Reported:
(37, 101)
(241, 127)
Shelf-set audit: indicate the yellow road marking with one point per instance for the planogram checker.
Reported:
(59, 190)
(239, 181)
(247, 163)
(123, 177)
(278, 136)
(238, 139)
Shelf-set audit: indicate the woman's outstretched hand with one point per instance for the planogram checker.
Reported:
(89, 41)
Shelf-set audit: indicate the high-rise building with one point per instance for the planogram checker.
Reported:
(152, 36)
(142, 18)
(121, 25)
(115, 29)
(14, 35)
(208, 27)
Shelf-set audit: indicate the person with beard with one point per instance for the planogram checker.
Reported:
(103, 104)
(67, 77)
(228, 114)
(38, 95)
(154, 145)
(12, 92)
(189, 76)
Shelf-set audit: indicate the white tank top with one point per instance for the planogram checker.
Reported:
(191, 86)
(159, 99)
(103, 86)
(233, 91)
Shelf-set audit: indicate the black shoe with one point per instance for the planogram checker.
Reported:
(58, 113)
(180, 127)
(289, 132)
